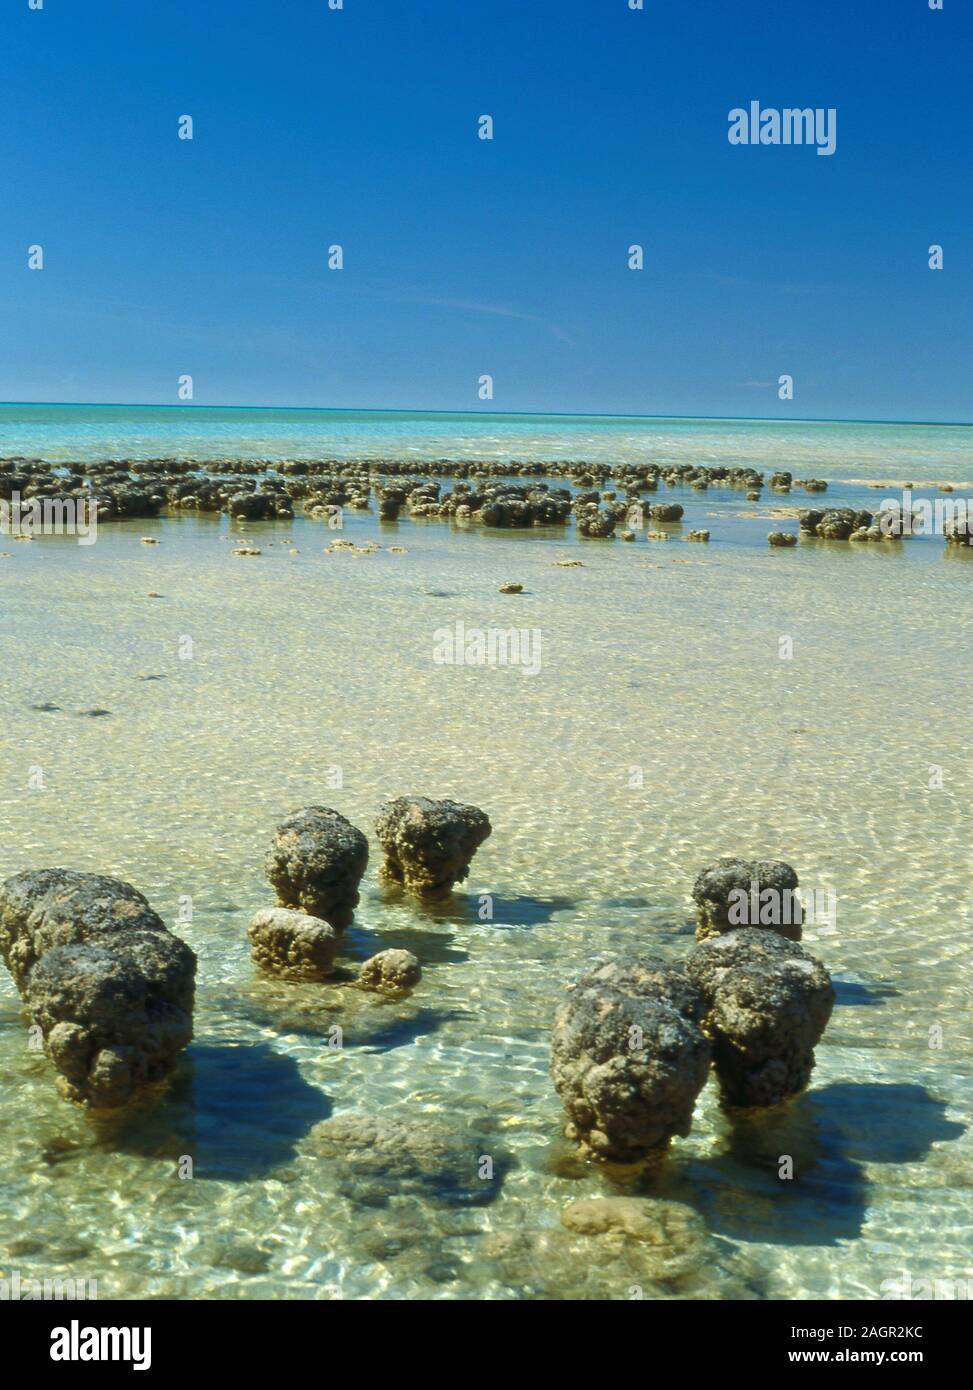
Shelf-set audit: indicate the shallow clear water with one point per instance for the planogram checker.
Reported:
(657, 658)
(828, 449)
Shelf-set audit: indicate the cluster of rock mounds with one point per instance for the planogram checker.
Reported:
(268, 489)
(892, 523)
(109, 988)
(633, 1043)
(848, 524)
(316, 863)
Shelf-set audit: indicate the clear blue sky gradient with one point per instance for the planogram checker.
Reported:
(464, 257)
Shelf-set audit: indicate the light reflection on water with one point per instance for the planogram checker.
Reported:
(657, 657)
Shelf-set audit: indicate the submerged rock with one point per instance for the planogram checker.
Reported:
(291, 944)
(768, 1002)
(316, 863)
(378, 1157)
(392, 971)
(110, 988)
(428, 844)
(659, 1222)
(781, 538)
(628, 1067)
(733, 893)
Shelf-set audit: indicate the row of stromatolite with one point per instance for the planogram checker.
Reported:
(633, 1043)
(316, 863)
(108, 986)
(111, 991)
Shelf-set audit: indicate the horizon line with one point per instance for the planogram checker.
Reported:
(527, 414)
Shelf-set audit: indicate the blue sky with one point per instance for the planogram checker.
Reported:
(165, 257)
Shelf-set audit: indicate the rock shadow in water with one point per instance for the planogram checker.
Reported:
(828, 1134)
(384, 1035)
(463, 909)
(884, 1122)
(856, 994)
(238, 1112)
(524, 911)
(360, 942)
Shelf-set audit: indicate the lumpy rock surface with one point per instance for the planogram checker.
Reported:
(718, 895)
(428, 844)
(110, 988)
(768, 1003)
(628, 1067)
(291, 944)
(316, 863)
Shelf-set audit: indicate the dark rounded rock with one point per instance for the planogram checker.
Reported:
(724, 896)
(628, 1069)
(647, 977)
(316, 863)
(428, 844)
(596, 524)
(44, 908)
(110, 988)
(115, 1012)
(768, 1003)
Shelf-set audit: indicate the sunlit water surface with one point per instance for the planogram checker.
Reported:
(662, 729)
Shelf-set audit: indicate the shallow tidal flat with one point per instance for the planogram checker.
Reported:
(662, 730)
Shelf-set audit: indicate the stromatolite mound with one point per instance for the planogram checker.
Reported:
(833, 523)
(293, 945)
(390, 971)
(733, 893)
(666, 511)
(628, 1068)
(44, 908)
(595, 523)
(316, 863)
(429, 844)
(115, 1013)
(670, 1226)
(110, 988)
(958, 532)
(768, 1002)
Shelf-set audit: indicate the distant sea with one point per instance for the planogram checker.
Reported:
(827, 449)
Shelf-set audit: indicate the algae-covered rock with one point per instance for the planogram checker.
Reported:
(768, 1002)
(109, 987)
(732, 893)
(429, 844)
(628, 1069)
(316, 863)
(292, 944)
(391, 971)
